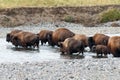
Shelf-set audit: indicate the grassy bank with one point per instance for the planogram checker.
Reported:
(50, 3)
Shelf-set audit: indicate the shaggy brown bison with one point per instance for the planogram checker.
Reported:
(114, 45)
(70, 45)
(101, 49)
(11, 34)
(82, 38)
(43, 36)
(25, 39)
(59, 35)
(98, 38)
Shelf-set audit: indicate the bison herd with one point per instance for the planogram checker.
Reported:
(67, 41)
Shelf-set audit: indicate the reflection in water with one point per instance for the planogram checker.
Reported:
(99, 57)
(72, 56)
(24, 49)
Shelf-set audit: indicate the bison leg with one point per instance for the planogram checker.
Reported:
(97, 54)
(101, 54)
(62, 53)
(68, 52)
(82, 53)
(37, 44)
(16, 46)
(41, 42)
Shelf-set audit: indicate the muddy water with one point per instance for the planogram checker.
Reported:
(8, 53)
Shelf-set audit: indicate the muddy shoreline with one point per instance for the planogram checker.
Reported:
(87, 16)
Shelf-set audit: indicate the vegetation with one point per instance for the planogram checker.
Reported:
(69, 18)
(110, 15)
(50, 3)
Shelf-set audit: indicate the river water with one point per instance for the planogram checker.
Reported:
(8, 53)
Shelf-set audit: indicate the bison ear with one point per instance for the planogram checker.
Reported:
(60, 44)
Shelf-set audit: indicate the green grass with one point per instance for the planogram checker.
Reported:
(51, 3)
(110, 15)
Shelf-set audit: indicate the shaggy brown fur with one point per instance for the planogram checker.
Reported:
(114, 45)
(98, 38)
(81, 37)
(11, 34)
(101, 49)
(59, 35)
(43, 36)
(70, 45)
(25, 39)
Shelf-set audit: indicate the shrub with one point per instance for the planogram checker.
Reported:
(110, 15)
(69, 18)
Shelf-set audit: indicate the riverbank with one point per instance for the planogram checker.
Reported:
(85, 15)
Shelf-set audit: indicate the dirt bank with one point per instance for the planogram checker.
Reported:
(33, 15)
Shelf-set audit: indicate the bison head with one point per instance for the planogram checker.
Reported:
(8, 38)
(15, 41)
(91, 42)
(49, 38)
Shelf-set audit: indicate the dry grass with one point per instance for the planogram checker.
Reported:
(54, 3)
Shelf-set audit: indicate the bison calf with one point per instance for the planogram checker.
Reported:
(100, 50)
(98, 39)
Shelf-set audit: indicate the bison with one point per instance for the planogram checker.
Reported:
(11, 34)
(43, 36)
(59, 35)
(101, 49)
(98, 38)
(70, 45)
(114, 45)
(82, 38)
(25, 39)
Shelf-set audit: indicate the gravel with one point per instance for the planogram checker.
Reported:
(95, 69)
(77, 28)
(69, 69)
